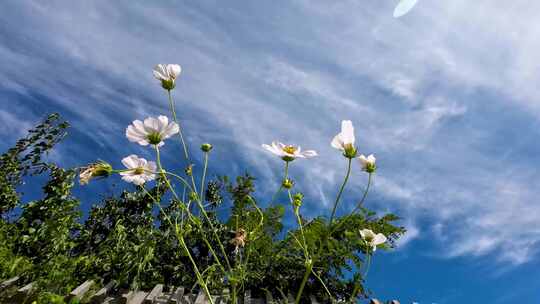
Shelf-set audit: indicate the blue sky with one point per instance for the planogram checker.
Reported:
(446, 97)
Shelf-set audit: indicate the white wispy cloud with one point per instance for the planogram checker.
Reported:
(429, 94)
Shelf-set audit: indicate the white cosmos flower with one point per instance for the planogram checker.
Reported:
(372, 239)
(167, 74)
(344, 140)
(152, 131)
(288, 152)
(403, 7)
(367, 163)
(140, 170)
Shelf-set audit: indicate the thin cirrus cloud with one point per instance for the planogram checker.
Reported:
(445, 97)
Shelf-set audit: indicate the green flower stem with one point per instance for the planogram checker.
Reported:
(212, 227)
(308, 262)
(180, 237)
(340, 191)
(299, 220)
(204, 175)
(160, 168)
(368, 266)
(358, 206)
(281, 184)
(324, 285)
(309, 267)
(171, 105)
(261, 214)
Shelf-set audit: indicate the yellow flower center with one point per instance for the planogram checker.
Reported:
(289, 149)
(138, 171)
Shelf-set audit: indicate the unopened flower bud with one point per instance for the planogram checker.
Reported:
(98, 169)
(206, 147)
(193, 196)
(287, 183)
(297, 200)
(368, 163)
(189, 170)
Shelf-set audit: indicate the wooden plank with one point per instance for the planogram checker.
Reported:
(126, 296)
(138, 297)
(201, 298)
(8, 283)
(78, 293)
(100, 296)
(269, 297)
(108, 300)
(247, 297)
(26, 289)
(164, 298)
(178, 294)
(394, 302)
(158, 289)
(190, 298)
(375, 301)
(22, 293)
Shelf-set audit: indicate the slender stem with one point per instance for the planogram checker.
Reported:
(184, 246)
(309, 266)
(261, 214)
(322, 282)
(358, 206)
(340, 192)
(299, 220)
(171, 105)
(204, 175)
(212, 227)
(286, 175)
(367, 267)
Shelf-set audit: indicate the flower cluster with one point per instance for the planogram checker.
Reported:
(343, 141)
(153, 131)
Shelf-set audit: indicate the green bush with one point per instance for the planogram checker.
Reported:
(145, 236)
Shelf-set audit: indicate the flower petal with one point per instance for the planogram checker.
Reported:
(347, 132)
(379, 239)
(134, 135)
(163, 122)
(337, 142)
(272, 149)
(173, 70)
(170, 130)
(151, 125)
(160, 72)
(131, 161)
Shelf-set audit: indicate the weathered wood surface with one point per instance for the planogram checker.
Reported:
(138, 297)
(158, 289)
(100, 296)
(7, 284)
(79, 292)
(157, 295)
